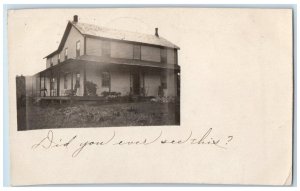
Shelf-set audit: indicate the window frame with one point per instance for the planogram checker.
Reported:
(58, 58)
(51, 61)
(78, 48)
(163, 55)
(105, 80)
(66, 81)
(66, 53)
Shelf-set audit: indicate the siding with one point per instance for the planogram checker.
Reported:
(150, 53)
(70, 43)
(170, 56)
(171, 84)
(125, 50)
(152, 82)
(121, 50)
(95, 75)
(120, 82)
(69, 83)
(93, 47)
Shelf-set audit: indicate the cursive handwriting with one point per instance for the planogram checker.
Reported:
(138, 142)
(90, 143)
(207, 138)
(48, 142)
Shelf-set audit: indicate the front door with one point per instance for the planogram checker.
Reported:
(136, 83)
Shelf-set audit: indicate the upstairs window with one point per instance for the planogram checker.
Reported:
(66, 53)
(163, 55)
(77, 48)
(105, 79)
(106, 48)
(136, 52)
(51, 61)
(58, 59)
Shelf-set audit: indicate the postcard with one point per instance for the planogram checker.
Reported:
(151, 95)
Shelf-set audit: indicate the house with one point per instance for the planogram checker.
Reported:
(123, 62)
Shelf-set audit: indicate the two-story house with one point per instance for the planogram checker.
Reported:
(126, 62)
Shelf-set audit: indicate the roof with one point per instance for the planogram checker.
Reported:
(97, 31)
(116, 61)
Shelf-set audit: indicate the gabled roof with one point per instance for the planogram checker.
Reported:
(97, 31)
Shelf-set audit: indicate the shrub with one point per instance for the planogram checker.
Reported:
(91, 88)
(111, 94)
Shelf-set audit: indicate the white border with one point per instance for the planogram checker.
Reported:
(115, 3)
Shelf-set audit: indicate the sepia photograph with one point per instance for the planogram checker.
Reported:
(102, 77)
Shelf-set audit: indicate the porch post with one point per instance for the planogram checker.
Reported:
(84, 79)
(40, 85)
(72, 81)
(50, 82)
(58, 84)
(45, 85)
(130, 81)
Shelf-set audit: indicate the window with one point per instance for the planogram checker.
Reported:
(163, 80)
(105, 79)
(77, 83)
(106, 48)
(52, 82)
(51, 61)
(77, 48)
(136, 52)
(66, 81)
(78, 77)
(163, 55)
(66, 53)
(58, 59)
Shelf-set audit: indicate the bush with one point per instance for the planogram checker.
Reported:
(91, 88)
(111, 94)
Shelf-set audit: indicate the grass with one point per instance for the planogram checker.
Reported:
(93, 114)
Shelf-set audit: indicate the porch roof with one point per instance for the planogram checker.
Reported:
(115, 61)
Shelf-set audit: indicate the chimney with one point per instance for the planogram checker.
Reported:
(75, 18)
(156, 32)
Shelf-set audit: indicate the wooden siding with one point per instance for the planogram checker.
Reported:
(125, 51)
(73, 37)
(93, 47)
(170, 56)
(71, 41)
(121, 50)
(150, 53)
(152, 83)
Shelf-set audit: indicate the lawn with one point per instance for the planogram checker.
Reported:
(93, 114)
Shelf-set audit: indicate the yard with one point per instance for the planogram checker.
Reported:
(93, 114)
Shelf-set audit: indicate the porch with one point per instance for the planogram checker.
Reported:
(90, 80)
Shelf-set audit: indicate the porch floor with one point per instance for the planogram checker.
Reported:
(83, 98)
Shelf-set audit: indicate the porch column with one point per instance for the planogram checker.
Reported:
(58, 84)
(40, 85)
(72, 81)
(84, 80)
(45, 84)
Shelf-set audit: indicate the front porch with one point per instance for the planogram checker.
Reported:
(87, 80)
